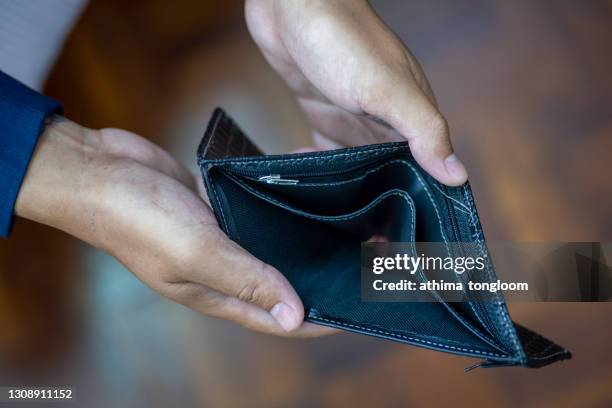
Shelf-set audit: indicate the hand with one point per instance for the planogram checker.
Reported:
(121, 193)
(355, 80)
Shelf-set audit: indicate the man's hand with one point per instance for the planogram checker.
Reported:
(125, 195)
(354, 78)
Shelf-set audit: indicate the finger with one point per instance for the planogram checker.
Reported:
(215, 304)
(256, 319)
(414, 116)
(224, 266)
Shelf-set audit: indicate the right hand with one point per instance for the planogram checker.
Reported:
(125, 195)
(356, 81)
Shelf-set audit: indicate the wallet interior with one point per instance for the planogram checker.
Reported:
(307, 215)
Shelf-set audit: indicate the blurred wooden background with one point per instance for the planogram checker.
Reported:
(526, 87)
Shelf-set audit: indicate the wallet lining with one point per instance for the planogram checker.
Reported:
(292, 197)
(262, 195)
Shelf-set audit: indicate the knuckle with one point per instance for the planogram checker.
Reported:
(254, 291)
(249, 293)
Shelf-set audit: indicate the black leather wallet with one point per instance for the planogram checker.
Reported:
(307, 215)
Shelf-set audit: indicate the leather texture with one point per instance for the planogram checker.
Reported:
(307, 215)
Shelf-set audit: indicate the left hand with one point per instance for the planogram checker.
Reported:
(356, 81)
(123, 194)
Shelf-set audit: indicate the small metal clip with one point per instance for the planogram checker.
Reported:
(276, 179)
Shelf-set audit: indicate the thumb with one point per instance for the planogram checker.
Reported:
(236, 273)
(409, 111)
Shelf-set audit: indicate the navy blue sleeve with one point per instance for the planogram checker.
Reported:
(22, 118)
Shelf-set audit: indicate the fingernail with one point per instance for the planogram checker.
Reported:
(455, 168)
(285, 316)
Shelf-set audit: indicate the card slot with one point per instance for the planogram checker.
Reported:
(392, 214)
(333, 193)
(329, 195)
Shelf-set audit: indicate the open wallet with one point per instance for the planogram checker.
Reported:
(307, 214)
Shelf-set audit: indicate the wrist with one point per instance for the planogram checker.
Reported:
(57, 185)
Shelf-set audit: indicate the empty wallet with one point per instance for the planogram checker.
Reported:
(307, 214)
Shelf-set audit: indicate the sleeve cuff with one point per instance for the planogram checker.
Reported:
(22, 119)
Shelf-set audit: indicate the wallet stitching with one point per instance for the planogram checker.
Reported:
(499, 312)
(460, 209)
(318, 159)
(346, 217)
(353, 180)
(465, 207)
(476, 238)
(415, 339)
(470, 304)
(441, 231)
(225, 224)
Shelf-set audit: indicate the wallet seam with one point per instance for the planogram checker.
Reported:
(491, 336)
(348, 181)
(371, 205)
(402, 336)
(216, 195)
(464, 208)
(500, 310)
(321, 158)
(476, 237)
(438, 212)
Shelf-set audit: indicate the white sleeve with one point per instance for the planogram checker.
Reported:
(32, 33)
